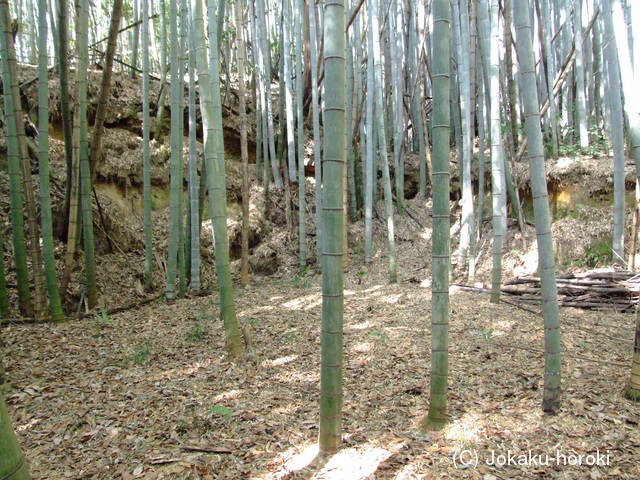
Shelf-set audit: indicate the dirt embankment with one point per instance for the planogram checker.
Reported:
(580, 191)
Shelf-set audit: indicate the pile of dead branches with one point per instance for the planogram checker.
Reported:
(596, 290)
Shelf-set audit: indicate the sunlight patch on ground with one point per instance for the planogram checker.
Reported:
(279, 361)
(503, 325)
(302, 459)
(227, 395)
(354, 463)
(184, 371)
(465, 429)
(364, 347)
(27, 426)
(393, 298)
(426, 283)
(361, 326)
(426, 233)
(298, 377)
(304, 303)
(296, 460)
(368, 290)
(351, 463)
(400, 327)
(564, 162)
(529, 262)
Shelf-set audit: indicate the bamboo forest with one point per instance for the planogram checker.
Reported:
(319, 239)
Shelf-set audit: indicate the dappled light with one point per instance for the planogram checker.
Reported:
(304, 303)
(185, 371)
(27, 426)
(296, 461)
(354, 463)
(280, 361)
(278, 240)
(466, 429)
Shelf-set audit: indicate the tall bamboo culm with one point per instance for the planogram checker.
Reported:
(441, 247)
(46, 220)
(546, 262)
(333, 164)
(215, 182)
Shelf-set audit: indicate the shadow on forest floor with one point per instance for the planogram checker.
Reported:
(149, 394)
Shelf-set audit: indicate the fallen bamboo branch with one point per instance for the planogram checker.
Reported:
(610, 290)
(111, 311)
(206, 449)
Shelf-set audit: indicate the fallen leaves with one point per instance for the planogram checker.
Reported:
(83, 406)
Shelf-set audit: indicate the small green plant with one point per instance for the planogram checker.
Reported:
(302, 281)
(575, 214)
(253, 322)
(142, 352)
(599, 254)
(291, 335)
(220, 411)
(517, 253)
(197, 333)
(486, 336)
(204, 316)
(102, 319)
(379, 336)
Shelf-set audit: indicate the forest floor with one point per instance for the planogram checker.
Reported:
(148, 393)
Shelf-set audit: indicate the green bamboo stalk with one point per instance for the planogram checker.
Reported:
(40, 297)
(175, 214)
(146, 158)
(216, 181)
(441, 248)
(333, 163)
(135, 40)
(85, 168)
(15, 183)
(46, 220)
(581, 107)
(497, 155)
(183, 269)
(265, 75)
(617, 130)
(632, 107)
(302, 202)
(382, 139)
(315, 112)
(370, 171)
(287, 73)
(194, 203)
(65, 109)
(546, 262)
(244, 269)
(13, 464)
(397, 92)
(163, 71)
